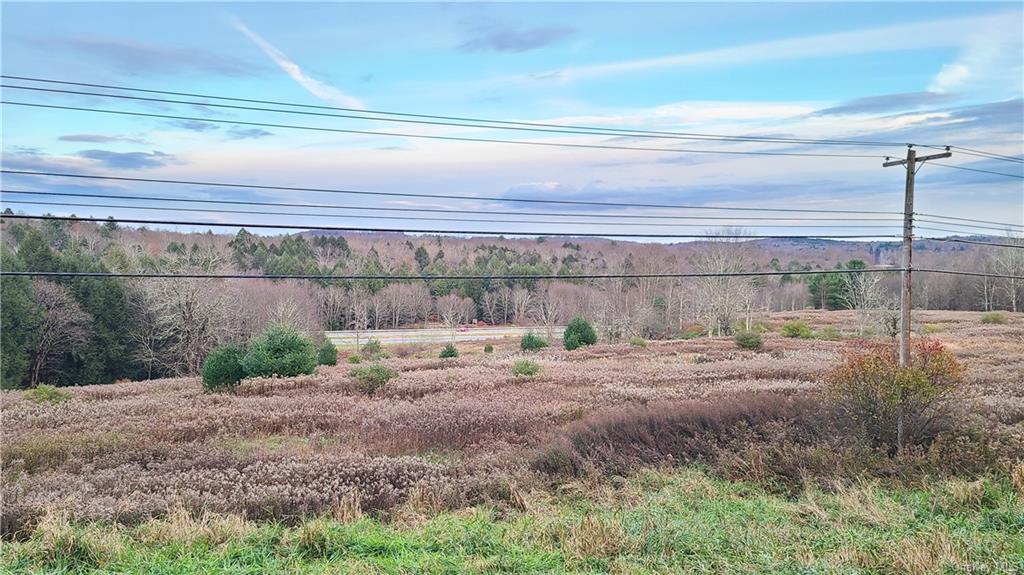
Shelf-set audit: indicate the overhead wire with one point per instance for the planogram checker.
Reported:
(434, 231)
(609, 131)
(431, 136)
(437, 210)
(432, 218)
(979, 170)
(444, 196)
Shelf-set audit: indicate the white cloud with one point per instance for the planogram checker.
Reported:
(990, 60)
(321, 90)
(921, 35)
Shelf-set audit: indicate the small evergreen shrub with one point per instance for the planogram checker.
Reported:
(371, 378)
(749, 340)
(994, 317)
(578, 333)
(525, 368)
(797, 328)
(488, 348)
(371, 347)
(531, 342)
(449, 351)
(47, 394)
(282, 351)
(355, 358)
(222, 369)
(637, 341)
(328, 354)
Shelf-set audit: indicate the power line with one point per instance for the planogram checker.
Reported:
(386, 277)
(975, 242)
(431, 231)
(576, 131)
(974, 274)
(607, 131)
(145, 275)
(443, 196)
(431, 219)
(1018, 176)
(432, 136)
(975, 226)
(980, 153)
(432, 210)
(968, 219)
(947, 230)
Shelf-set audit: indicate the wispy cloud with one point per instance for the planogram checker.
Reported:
(920, 35)
(321, 90)
(129, 160)
(514, 39)
(887, 103)
(142, 58)
(101, 138)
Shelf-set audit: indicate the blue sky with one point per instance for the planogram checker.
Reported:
(951, 74)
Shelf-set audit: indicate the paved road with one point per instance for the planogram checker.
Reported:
(435, 334)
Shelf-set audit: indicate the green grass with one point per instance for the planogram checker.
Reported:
(682, 521)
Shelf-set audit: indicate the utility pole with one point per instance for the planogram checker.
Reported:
(908, 242)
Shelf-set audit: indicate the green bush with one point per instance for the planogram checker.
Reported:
(797, 328)
(328, 354)
(532, 341)
(371, 347)
(223, 368)
(761, 327)
(47, 394)
(637, 341)
(280, 351)
(525, 368)
(488, 348)
(355, 358)
(994, 317)
(449, 351)
(749, 340)
(829, 333)
(578, 333)
(371, 378)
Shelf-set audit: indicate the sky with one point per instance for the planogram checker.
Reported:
(894, 73)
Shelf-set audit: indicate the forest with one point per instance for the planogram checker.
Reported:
(86, 330)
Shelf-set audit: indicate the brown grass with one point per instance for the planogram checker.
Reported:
(448, 433)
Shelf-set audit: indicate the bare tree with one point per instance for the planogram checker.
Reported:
(719, 298)
(1010, 263)
(865, 294)
(453, 310)
(520, 301)
(489, 306)
(548, 308)
(63, 326)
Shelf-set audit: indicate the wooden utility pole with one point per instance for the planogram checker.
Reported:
(908, 243)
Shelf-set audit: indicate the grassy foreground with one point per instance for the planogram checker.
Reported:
(655, 522)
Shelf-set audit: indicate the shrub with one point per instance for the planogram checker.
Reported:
(994, 317)
(749, 340)
(895, 406)
(355, 358)
(637, 342)
(223, 368)
(531, 342)
(371, 347)
(48, 394)
(525, 368)
(372, 377)
(328, 354)
(797, 328)
(449, 351)
(280, 351)
(578, 333)
(488, 348)
(828, 333)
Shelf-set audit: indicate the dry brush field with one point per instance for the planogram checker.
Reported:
(455, 431)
